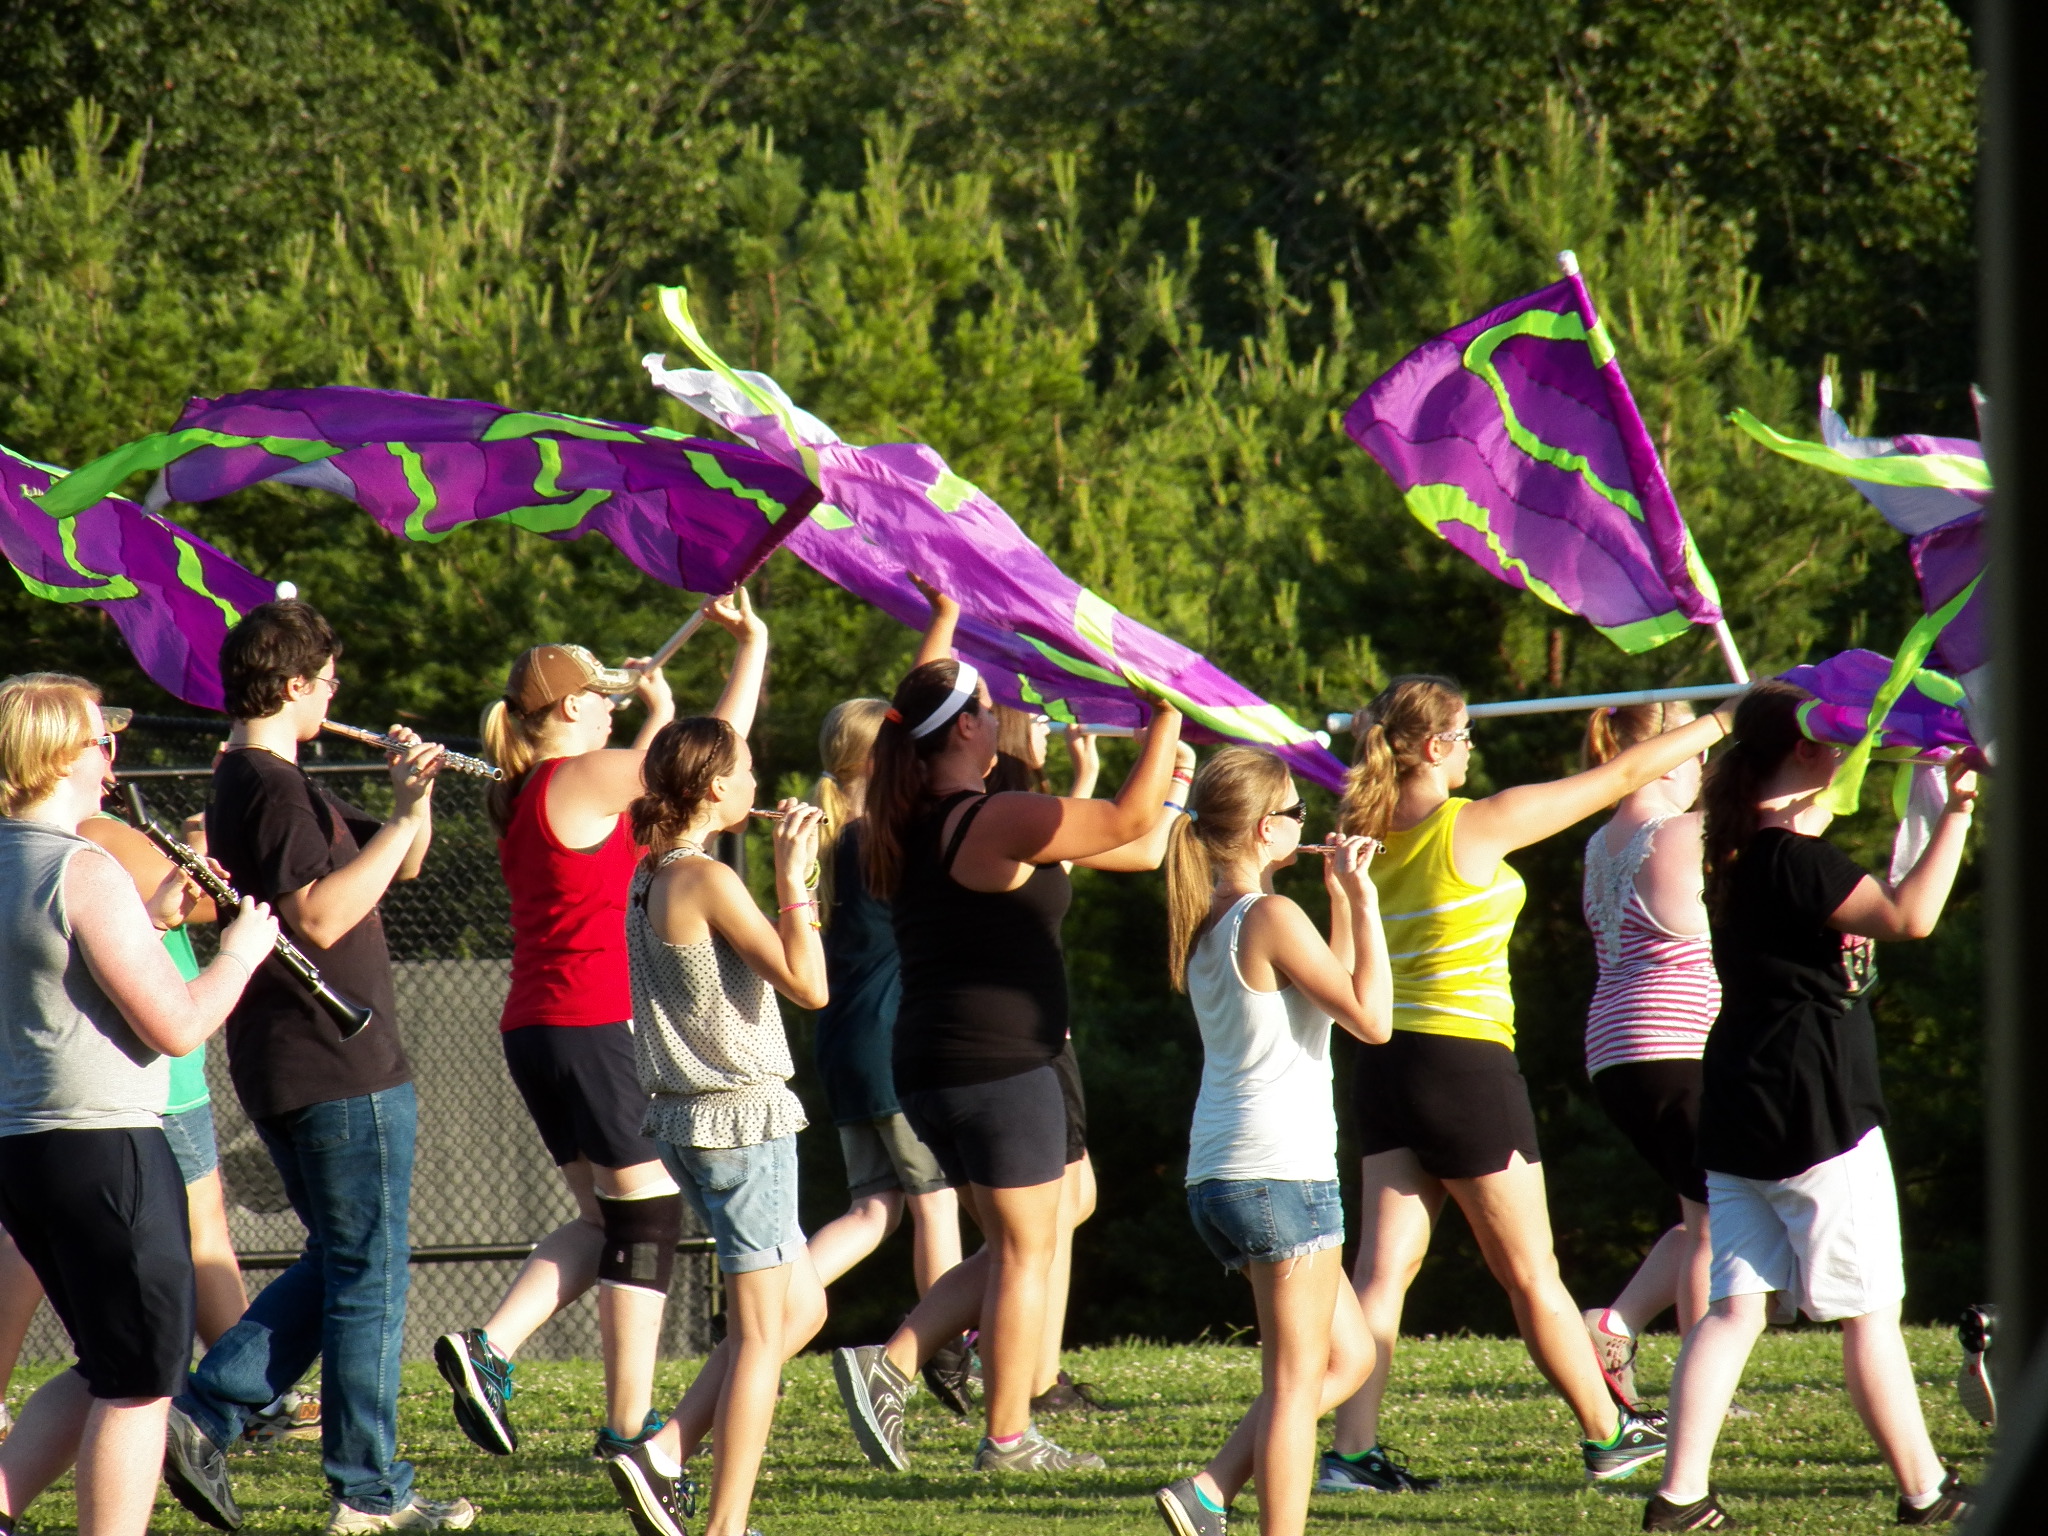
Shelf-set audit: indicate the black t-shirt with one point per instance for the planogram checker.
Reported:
(275, 830)
(984, 976)
(1790, 1071)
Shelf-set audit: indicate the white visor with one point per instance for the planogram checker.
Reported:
(963, 690)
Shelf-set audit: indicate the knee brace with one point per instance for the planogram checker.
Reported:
(640, 1240)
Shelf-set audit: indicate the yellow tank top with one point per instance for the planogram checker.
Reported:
(1447, 938)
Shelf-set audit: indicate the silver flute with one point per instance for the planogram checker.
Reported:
(1372, 845)
(459, 761)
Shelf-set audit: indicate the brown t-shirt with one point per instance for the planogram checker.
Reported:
(276, 830)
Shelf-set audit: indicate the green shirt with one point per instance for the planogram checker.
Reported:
(188, 1072)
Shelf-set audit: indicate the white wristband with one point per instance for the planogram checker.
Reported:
(228, 954)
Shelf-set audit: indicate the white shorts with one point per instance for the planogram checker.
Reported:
(1827, 1238)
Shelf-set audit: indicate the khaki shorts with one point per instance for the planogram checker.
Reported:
(885, 1154)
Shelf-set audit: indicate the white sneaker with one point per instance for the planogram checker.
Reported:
(420, 1515)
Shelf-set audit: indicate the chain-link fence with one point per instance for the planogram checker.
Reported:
(484, 1189)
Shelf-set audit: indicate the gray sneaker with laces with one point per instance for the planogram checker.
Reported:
(1181, 1507)
(874, 1393)
(420, 1515)
(1033, 1453)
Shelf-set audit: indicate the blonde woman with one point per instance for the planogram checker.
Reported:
(1442, 1108)
(710, 1048)
(887, 1168)
(1262, 1154)
(567, 854)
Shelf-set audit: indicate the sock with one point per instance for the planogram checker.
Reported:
(1925, 1500)
(1613, 1322)
(662, 1462)
(1004, 1442)
(1621, 1422)
(1357, 1457)
(1207, 1503)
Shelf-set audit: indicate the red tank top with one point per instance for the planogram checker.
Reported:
(568, 917)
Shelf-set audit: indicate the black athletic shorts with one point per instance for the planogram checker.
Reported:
(100, 1217)
(1069, 1070)
(1008, 1134)
(583, 1091)
(1461, 1106)
(1656, 1105)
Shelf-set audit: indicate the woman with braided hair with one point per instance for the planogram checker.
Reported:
(1442, 1109)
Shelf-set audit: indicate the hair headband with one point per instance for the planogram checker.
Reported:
(964, 685)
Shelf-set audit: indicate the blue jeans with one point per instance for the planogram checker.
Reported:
(1266, 1221)
(746, 1198)
(347, 1166)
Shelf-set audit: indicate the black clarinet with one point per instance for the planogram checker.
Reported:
(350, 1017)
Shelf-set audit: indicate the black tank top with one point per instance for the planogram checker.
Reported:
(984, 978)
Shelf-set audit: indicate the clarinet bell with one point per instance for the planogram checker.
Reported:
(350, 1017)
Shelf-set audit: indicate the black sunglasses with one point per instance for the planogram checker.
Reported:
(1295, 812)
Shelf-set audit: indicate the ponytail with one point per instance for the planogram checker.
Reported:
(896, 785)
(1398, 726)
(1232, 791)
(513, 743)
(1611, 731)
(846, 748)
(1766, 732)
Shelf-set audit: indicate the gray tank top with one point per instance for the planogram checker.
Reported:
(68, 1060)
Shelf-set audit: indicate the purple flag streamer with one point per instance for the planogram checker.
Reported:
(172, 595)
(1514, 438)
(1042, 641)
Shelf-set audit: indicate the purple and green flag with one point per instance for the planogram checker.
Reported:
(172, 595)
(1514, 438)
(1043, 642)
(1925, 719)
(689, 512)
(1936, 491)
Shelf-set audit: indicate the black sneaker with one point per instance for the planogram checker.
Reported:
(1067, 1395)
(656, 1503)
(874, 1392)
(1378, 1470)
(481, 1380)
(1973, 1381)
(1660, 1514)
(946, 1377)
(1181, 1507)
(1636, 1443)
(197, 1474)
(1952, 1502)
(611, 1443)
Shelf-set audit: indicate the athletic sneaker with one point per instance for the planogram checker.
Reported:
(1378, 1470)
(1636, 1443)
(1954, 1501)
(1181, 1507)
(197, 1474)
(420, 1515)
(1033, 1453)
(1616, 1353)
(294, 1416)
(874, 1392)
(611, 1443)
(1660, 1514)
(656, 1503)
(947, 1377)
(1973, 1381)
(481, 1379)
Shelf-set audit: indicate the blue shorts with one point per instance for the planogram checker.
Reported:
(746, 1198)
(1266, 1221)
(190, 1133)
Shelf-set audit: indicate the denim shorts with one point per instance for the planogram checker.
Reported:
(190, 1133)
(746, 1198)
(1266, 1221)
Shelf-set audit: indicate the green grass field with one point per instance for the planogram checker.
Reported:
(1472, 1410)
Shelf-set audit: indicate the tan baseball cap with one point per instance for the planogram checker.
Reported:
(549, 673)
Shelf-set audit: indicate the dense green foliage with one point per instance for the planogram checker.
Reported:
(1124, 265)
(1471, 1410)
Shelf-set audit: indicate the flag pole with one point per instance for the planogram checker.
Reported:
(1726, 640)
(1341, 722)
(673, 643)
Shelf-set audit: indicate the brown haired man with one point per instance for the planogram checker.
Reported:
(337, 1115)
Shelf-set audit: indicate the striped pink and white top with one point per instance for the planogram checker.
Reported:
(1658, 992)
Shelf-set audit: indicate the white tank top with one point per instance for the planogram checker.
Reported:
(1265, 1110)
